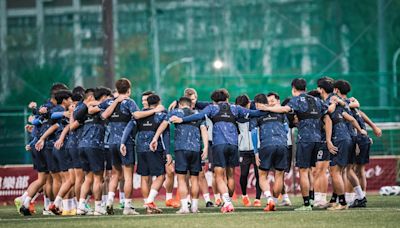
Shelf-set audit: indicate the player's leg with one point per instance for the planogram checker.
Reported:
(257, 200)
(116, 175)
(169, 187)
(204, 188)
(245, 163)
(303, 161)
(31, 191)
(156, 167)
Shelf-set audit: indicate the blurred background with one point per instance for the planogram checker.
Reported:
(246, 46)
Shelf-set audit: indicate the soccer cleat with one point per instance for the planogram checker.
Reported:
(47, 212)
(172, 203)
(183, 211)
(218, 203)
(110, 210)
(67, 213)
(72, 212)
(227, 208)
(99, 211)
(320, 204)
(304, 208)
(18, 203)
(195, 211)
(257, 203)
(246, 201)
(286, 202)
(130, 211)
(359, 203)
(338, 207)
(311, 202)
(329, 205)
(209, 204)
(32, 208)
(25, 211)
(82, 211)
(270, 206)
(121, 205)
(151, 208)
(54, 209)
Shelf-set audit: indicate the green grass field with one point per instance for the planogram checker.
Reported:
(381, 212)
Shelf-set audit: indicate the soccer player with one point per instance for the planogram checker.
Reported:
(61, 156)
(273, 148)
(342, 88)
(309, 111)
(246, 150)
(188, 154)
(149, 163)
(119, 112)
(92, 155)
(225, 140)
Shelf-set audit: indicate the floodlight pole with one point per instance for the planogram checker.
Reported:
(108, 43)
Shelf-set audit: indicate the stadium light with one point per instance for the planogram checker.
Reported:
(218, 64)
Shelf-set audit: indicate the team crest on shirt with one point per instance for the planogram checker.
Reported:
(320, 153)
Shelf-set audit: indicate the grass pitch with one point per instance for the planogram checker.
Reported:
(381, 212)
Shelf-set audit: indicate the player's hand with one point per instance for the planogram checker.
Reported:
(159, 108)
(43, 110)
(31, 118)
(32, 105)
(120, 98)
(28, 148)
(263, 107)
(258, 161)
(29, 128)
(332, 148)
(122, 148)
(357, 150)
(67, 114)
(71, 108)
(59, 143)
(39, 145)
(175, 119)
(334, 99)
(153, 145)
(204, 154)
(172, 106)
(377, 131)
(363, 132)
(169, 159)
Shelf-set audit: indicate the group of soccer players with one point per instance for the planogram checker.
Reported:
(86, 142)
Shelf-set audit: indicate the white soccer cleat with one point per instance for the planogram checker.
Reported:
(130, 211)
(99, 211)
(183, 211)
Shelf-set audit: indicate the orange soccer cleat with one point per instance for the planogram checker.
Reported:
(172, 203)
(246, 201)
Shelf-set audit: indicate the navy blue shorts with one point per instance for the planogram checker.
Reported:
(306, 154)
(323, 153)
(50, 161)
(92, 159)
(342, 156)
(75, 158)
(151, 163)
(187, 161)
(364, 145)
(62, 159)
(289, 158)
(273, 157)
(247, 158)
(39, 161)
(352, 152)
(118, 159)
(225, 155)
(107, 158)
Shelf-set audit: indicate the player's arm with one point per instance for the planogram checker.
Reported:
(125, 135)
(93, 107)
(144, 114)
(276, 109)
(353, 122)
(59, 115)
(40, 143)
(376, 129)
(204, 138)
(154, 142)
(194, 117)
(354, 103)
(110, 109)
(328, 134)
(60, 141)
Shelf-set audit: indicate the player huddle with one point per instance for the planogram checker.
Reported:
(86, 143)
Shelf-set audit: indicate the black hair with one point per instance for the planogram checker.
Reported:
(148, 93)
(123, 85)
(153, 99)
(343, 86)
(61, 95)
(299, 84)
(261, 98)
(78, 93)
(89, 92)
(314, 93)
(57, 87)
(242, 100)
(220, 95)
(325, 84)
(100, 92)
(185, 101)
(286, 101)
(273, 94)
